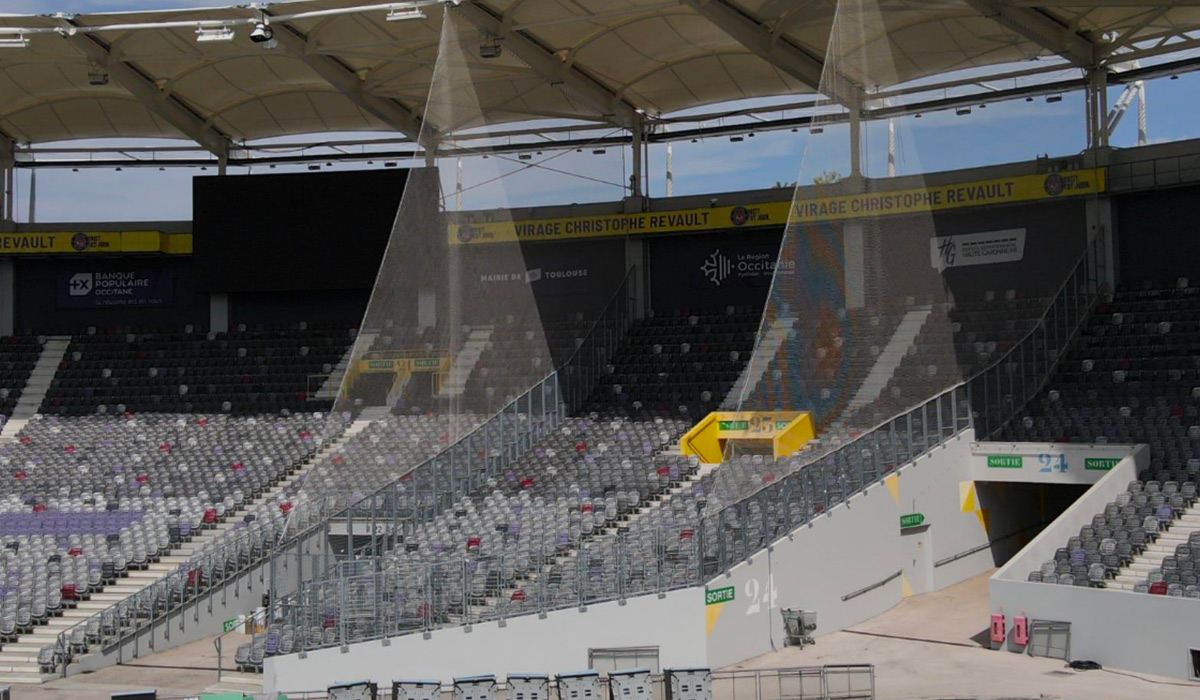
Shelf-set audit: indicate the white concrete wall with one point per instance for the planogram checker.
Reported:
(1044, 463)
(1118, 629)
(851, 547)
(559, 643)
(1079, 514)
(1133, 631)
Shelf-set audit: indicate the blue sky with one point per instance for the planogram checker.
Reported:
(1000, 133)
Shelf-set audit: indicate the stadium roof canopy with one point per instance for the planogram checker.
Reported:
(346, 65)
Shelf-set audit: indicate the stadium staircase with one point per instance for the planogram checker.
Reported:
(333, 383)
(890, 357)
(455, 382)
(53, 352)
(747, 381)
(1152, 558)
(565, 559)
(19, 659)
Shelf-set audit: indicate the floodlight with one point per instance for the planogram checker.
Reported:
(962, 111)
(489, 45)
(400, 14)
(816, 130)
(735, 139)
(14, 41)
(218, 35)
(262, 33)
(97, 76)
(1051, 99)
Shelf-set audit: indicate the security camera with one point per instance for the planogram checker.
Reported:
(262, 33)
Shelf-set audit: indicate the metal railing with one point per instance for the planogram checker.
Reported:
(407, 598)
(985, 402)
(832, 682)
(440, 481)
(724, 538)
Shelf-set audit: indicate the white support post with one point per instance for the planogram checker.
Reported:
(635, 256)
(1143, 132)
(670, 165)
(8, 175)
(635, 180)
(218, 313)
(1097, 109)
(855, 139)
(853, 249)
(1100, 221)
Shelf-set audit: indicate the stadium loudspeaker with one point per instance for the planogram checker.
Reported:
(136, 695)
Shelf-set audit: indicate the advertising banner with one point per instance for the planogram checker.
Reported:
(1020, 188)
(977, 249)
(73, 242)
(112, 289)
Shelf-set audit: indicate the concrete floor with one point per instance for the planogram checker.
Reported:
(184, 671)
(931, 646)
(927, 647)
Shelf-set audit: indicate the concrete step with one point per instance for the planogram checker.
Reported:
(23, 678)
(23, 649)
(7, 659)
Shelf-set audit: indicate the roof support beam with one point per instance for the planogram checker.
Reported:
(1040, 28)
(544, 62)
(346, 81)
(165, 105)
(750, 33)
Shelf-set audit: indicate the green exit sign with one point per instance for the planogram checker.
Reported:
(734, 425)
(1005, 461)
(1101, 464)
(912, 520)
(719, 595)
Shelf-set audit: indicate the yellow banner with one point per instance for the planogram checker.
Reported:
(403, 364)
(1023, 188)
(1007, 190)
(72, 242)
(646, 223)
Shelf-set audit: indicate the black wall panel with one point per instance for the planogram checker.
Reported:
(293, 232)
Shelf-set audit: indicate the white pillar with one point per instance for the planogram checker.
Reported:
(1100, 222)
(891, 155)
(1097, 108)
(854, 266)
(8, 174)
(670, 164)
(635, 252)
(426, 308)
(218, 313)
(635, 179)
(1143, 132)
(855, 140)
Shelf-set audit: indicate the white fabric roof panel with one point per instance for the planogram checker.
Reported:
(658, 55)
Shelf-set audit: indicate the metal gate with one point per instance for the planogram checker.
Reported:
(1050, 639)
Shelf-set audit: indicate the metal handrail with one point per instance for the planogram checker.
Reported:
(1092, 254)
(151, 593)
(945, 392)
